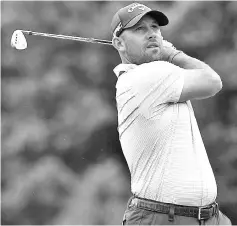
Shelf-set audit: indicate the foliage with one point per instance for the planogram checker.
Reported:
(61, 158)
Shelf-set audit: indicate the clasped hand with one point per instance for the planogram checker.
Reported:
(168, 51)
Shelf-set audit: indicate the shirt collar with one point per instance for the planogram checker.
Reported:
(123, 67)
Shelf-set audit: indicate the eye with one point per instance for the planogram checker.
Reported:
(139, 28)
(155, 26)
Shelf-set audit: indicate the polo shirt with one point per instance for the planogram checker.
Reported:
(159, 136)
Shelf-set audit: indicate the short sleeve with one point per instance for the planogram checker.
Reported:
(158, 82)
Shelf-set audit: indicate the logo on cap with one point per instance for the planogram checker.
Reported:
(135, 5)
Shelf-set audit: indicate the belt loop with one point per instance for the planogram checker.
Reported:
(217, 209)
(171, 213)
(129, 201)
(201, 222)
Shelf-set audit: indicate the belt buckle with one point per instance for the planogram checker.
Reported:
(214, 206)
(199, 213)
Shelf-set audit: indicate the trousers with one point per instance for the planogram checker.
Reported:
(138, 216)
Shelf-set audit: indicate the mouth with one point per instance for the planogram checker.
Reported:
(152, 45)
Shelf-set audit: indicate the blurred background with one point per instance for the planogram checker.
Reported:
(62, 162)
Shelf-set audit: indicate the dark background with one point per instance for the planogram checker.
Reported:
(61, 158)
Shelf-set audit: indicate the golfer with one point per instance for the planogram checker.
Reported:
(171, 177)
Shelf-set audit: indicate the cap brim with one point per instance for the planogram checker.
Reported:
(160, 17)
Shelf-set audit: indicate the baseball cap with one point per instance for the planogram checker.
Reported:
(129, 15)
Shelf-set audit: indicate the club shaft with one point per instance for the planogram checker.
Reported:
(73, 38)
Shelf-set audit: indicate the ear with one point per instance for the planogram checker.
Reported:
(119, 44)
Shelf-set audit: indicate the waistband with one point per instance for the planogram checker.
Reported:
(200, 213)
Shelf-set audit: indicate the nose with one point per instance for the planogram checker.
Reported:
(153, 34)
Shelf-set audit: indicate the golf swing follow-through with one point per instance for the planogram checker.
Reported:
(18, 40)
(172, 181)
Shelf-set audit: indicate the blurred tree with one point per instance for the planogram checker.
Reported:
(62, 162)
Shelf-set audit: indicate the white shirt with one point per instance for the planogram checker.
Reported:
(160, 137)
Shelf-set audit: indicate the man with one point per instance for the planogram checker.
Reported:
(171, 178)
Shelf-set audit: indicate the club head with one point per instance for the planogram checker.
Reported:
(18, 40)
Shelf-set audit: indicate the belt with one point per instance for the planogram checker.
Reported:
(200, 213)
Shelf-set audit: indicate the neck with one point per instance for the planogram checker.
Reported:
(124, 59)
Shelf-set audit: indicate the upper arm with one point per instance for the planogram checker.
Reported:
(199, 84)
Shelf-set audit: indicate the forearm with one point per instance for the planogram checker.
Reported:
(179, 58)
(184, 61)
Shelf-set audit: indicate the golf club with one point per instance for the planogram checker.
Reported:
(19, 42)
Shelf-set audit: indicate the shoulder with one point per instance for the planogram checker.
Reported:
(154, 69)
(157, 66)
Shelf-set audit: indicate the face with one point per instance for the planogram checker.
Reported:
(142, 42)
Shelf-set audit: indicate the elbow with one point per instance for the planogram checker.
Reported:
(216, 86)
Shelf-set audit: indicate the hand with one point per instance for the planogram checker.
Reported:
(168, 51)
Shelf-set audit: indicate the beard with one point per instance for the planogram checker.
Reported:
(146, 55)
(153, 54)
